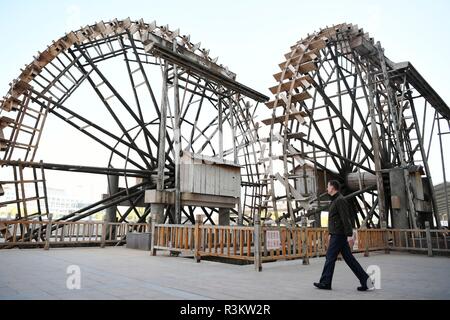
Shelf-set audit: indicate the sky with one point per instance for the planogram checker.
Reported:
(250, 37)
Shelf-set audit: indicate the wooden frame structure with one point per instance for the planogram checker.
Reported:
(350, 114)
(176, 99)
(341, 110)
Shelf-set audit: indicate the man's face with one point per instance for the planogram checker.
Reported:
(331, 190)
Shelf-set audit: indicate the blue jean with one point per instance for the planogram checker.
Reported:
(338, 243)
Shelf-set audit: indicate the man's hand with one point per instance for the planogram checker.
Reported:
(351, 241)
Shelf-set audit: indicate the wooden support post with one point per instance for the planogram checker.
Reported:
(366, 240)
(197, 235)
(224, 216)
(177, 142)
(429, 244)
(257, 240)
(304, 230)
(158, 208)
(220, 109)
(48, 232)
(376, 153)
(385, 237)
(104, 226)
(153, 236)
(111, 212)
(391, 99)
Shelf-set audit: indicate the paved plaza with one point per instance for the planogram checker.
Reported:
(121, 273)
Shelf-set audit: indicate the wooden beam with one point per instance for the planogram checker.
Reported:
(281, 119)
(305, 82)
(190, 199)
(302, 96)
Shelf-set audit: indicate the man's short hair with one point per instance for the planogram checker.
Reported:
(335, 184)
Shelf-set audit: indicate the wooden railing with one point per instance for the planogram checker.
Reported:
(371, 240)
(235, 242)
(46, 233)
(246, 243)
(241, 243)
(204, 240)
(173, 237)
(295, 243)
(427, 240)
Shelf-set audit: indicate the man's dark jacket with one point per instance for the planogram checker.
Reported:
(339, 216)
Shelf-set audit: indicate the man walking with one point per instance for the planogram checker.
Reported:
(340, 230)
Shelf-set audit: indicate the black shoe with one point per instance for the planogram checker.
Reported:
(363, 288)
(322, 286)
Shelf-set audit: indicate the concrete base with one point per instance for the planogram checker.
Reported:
(139, 240)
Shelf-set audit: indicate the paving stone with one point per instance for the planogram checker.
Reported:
(120, 273)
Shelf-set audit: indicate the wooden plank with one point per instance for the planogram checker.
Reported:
(180, 237)
(39, 233)
(217, 181)
(222, 240)
(288, 242)
(283, 242)
(305, 82)
(302, 96)
(96, 234)
(307, 67)
(297, 195)
(209, 181)
(176, 232)
(241, 242)
(309, 56)
(249, 243)
(216, 239)
(281, 119)
(198, 178)
(318, 44)
(163, 232)
(203, 178)
(228, 241)
(304, 68)
(210, 240)
(296, 135)
(303, 48)
(287, 73)
(234, 241)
